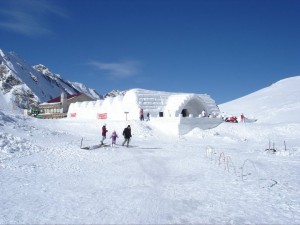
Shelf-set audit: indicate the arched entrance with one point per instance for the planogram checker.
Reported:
(194, 106)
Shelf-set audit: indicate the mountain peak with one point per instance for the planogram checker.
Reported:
(115, 93)
(23, 85)
(45, 70)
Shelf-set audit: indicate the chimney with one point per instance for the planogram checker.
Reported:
(63, 100)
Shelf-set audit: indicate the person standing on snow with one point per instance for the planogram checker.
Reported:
(127, 135)
(113, 137)
(142, 115)
(242, 118)
(104, 131)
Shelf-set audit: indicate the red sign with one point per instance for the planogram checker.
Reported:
(72, 114)
(102, 116)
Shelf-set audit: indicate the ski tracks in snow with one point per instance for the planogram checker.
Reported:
(155, 175)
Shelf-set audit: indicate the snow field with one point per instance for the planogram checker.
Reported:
(160, 179)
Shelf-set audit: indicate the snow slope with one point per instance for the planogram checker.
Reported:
(278, 103)
(218, 176)
(4, 105)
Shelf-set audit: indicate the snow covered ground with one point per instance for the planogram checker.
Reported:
(218, 176)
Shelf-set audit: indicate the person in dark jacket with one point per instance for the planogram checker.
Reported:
(142, 114)
(127, 135)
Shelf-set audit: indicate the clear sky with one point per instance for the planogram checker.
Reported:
(226, 49)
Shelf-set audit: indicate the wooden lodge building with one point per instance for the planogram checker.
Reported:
(58, 107)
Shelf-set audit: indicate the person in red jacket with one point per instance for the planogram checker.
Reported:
(104, 131)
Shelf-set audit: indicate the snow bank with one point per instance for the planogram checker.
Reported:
(3, 100)
(278, 103)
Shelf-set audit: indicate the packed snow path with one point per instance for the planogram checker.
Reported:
(159, 180)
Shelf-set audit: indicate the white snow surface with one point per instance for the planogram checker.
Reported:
(4, 105)
(278, 103)
(218, 176)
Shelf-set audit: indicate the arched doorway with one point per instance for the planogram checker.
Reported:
(192, 107)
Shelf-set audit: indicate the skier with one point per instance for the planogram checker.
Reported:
(113, 137)
(127, 135)
(104, 131)
(203, 114)
(148, 116)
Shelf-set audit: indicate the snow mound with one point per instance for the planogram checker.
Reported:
(5, 118)
(10, 144)
(278, 103)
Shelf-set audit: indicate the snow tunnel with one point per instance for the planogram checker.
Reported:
(193, 106)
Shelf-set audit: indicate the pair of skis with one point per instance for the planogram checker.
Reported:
(92, 146)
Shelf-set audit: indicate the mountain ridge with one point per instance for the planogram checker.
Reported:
(23, 85)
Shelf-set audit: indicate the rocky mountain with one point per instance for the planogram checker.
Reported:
(114, 93)
(79, 87)
(22, 85)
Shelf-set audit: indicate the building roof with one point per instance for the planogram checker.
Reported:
(57, 99)
(46, 105)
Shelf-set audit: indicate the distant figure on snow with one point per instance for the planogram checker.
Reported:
(203, 114)
(141, 114)
(104, 131)
(113, 137)
(148, 116)
(127, 135)
(242, 118)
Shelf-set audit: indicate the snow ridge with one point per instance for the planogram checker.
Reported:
(278, 103)
(23, 85)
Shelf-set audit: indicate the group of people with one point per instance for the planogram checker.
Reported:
(142, 115)
(114, 136)
(126, 132)
(234, 119)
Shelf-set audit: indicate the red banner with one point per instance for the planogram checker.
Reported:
(102, 116)
(72, 114)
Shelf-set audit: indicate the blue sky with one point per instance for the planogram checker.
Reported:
(226, 49)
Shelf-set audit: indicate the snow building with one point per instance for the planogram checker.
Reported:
(181, 110)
